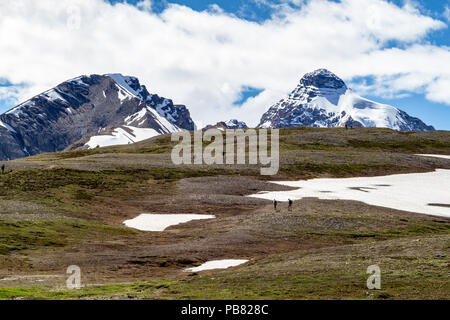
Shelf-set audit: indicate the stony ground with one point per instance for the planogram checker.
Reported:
(68, 208)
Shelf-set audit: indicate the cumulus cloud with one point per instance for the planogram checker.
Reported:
(145, 5)
(438, 90)
(204, 59)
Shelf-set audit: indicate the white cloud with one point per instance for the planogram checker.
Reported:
(204, 59)
(145, 5)
(420, 69)
(438, 90)
(9, 94)
(447, 13)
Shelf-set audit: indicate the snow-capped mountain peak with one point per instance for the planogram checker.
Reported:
(322, 99)
(320, 83)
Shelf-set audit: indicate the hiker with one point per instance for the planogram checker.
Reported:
(290, 205)
(275, 204)
(346, 126)
(3, 168)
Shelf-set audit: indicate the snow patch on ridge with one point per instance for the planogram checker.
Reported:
(53, 95)
(120, 136)
(166, 126)
(169, 126)
(122, 95)
(120, 80)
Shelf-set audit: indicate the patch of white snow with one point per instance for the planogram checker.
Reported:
(434, 156)
(426, 193)
(160, 222)
(217, 264)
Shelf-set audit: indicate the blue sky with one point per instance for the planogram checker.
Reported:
(416, 104)
(402, 60)
(245, 9)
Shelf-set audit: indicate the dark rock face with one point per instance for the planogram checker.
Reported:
(323, 100)
(179, 115)
(413, 124)
(82, 107)
(235, 124)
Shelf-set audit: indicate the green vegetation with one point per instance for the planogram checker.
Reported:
(159, 144)
(55, 186)
(31, 234)
(122, 291)
(409, 146)
(304, 152)
(425, 229)
(364, 138)
(76, 201)
(330, 273)
(103, 180)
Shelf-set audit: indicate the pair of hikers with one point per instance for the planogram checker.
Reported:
(275, 203)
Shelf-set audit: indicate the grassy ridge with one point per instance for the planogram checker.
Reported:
(103, 180)
(304, 153)
(298, 138)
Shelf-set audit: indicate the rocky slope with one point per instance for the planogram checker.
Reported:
(89, 111)
(323, 100)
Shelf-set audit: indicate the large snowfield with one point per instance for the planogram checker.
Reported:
(160, 222)
(426, 193)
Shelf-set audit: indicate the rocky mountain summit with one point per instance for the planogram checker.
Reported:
(322, 99)
(87, 112)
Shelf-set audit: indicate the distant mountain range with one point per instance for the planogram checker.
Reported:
(230, 124)
(102, 110)
(86, 112)
(322, 99)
